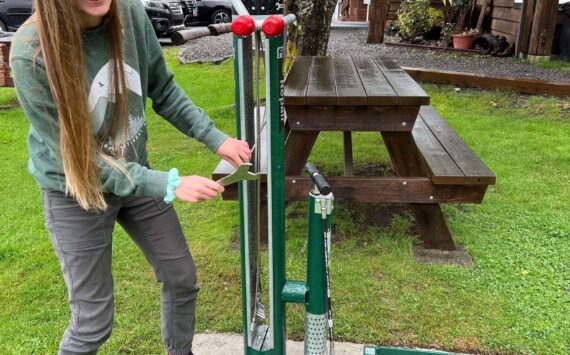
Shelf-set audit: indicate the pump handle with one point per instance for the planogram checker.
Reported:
(318, 179)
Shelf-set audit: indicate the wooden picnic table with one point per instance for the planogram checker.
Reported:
(372, 93)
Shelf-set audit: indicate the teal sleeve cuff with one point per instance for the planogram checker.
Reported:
(213, 139)
(173, 183)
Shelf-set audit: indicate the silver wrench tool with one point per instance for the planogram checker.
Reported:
(241, 173)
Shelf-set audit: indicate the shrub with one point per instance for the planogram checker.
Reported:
(435, 17)
(413, 18)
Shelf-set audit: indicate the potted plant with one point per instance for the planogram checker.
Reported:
(464, 40)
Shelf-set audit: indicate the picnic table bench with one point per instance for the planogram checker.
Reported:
(372, 93)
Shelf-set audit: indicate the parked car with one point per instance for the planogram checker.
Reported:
(160, 16)
(205, 12)
(164, 14)
(13, 13)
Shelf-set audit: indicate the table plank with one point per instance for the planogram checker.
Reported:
(417, 190)
(378, 89)
(349, 89)
(297, 81)
(322, 86)
(409, 92)
(475, 171)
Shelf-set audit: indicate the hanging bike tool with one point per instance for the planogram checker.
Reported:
(264, 130)
(264, 332)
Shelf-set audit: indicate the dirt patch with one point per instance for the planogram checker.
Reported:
(459, 257)
(373, 169)
(378, 215)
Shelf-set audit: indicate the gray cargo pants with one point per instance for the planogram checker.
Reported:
(82, 241)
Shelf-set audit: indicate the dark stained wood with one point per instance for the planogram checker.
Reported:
(376, 190)
(386, 64)
(334, 101)
(407, 162)
(433, 48)
(527, 26)
(349, 89)
(520, 31)
(409, 92)
(481, 81)
(441, 167)
(543, 26)
(322, 86)
(348, 165)
(378, 89)
(508, 28)
(503, 3)
(509, 14)
(471, 166)
(352, 118)
(298, 146)
(297, 81)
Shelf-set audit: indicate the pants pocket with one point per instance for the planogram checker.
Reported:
(72, 226)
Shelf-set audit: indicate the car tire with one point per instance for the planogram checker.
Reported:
(3, 27)
(221, 16)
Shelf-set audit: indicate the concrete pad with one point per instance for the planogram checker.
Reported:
(348, 25)
(232, 344)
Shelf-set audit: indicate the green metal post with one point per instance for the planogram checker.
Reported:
(315, 316)
(276, 188)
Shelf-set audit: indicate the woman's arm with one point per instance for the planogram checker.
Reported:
(38, 104)
(172, 103)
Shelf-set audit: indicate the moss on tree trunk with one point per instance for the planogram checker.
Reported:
(310, 36)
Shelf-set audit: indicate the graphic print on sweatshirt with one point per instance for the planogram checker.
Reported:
(101, 94)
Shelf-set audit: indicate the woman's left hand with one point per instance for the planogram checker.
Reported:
(235, 152)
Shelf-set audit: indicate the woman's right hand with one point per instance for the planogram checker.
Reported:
(197, 188)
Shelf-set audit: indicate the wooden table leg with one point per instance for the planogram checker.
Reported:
(407, 162)
(298, 146)
(348, 162)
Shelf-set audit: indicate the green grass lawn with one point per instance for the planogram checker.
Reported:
(516, 299)
(554, 64)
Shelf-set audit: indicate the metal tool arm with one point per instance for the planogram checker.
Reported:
(318, 179)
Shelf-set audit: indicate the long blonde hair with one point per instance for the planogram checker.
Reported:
(61, 45)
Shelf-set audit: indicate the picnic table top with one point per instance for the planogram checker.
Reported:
(356, 80)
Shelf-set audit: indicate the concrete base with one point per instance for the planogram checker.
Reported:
(232, 344)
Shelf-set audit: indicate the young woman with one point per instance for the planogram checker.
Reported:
(83, 70)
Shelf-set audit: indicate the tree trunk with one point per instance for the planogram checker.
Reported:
(378, 14)
(310, 36)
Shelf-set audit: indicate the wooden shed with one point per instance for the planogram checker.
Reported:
(539, 36)
(541, 23)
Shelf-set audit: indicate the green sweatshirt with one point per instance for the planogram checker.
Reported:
(147, 76)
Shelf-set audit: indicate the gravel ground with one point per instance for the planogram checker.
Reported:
(216, 49)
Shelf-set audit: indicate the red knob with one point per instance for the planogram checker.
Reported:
(243, 25)
(273, 26)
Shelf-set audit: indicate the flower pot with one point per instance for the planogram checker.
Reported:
(462, 41)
